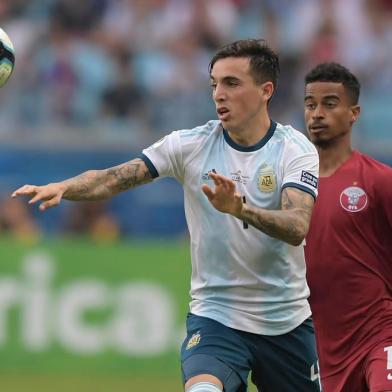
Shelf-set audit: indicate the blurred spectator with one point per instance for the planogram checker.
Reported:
(77, 16)
(16, 220)
(123, 101)
(92, 220)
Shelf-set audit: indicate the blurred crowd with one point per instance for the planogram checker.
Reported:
(90, 220)
(132, 70)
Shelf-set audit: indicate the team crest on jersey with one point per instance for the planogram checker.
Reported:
(353, 199)
(267, 179)
(194, 340)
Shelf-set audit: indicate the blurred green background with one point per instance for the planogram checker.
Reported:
(86, 316)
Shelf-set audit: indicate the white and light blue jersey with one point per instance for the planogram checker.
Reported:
(241, 277)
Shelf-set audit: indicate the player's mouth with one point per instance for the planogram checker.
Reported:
(317, 128)
(223, 113)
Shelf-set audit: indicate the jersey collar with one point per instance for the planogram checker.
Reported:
(256, 146)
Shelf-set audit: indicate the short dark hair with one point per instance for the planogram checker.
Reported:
(335, 73)
(264, 62)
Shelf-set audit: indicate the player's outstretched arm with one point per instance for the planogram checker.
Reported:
(290, 224)
(90, 185)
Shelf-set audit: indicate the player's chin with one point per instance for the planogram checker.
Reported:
(229, 124)
(321, 142)
(225, 122)
(315, 137)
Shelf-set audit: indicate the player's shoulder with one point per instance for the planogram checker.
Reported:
(371, 162)
(201, 131)
(374, 168)
(293, 139)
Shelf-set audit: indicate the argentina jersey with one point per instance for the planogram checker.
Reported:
(241, 277)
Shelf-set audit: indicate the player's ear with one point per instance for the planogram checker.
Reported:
(266, 90)
(355, 112)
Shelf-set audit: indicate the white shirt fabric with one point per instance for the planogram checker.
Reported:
(241, 277)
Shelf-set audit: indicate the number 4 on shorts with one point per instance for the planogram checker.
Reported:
(388, 350)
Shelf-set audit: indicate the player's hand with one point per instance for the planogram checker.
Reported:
(225, 198)
(50, 195)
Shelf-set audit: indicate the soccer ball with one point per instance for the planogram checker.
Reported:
(7, 57)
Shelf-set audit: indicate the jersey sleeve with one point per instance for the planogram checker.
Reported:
(301, 167)
(169, 156)
(164, 157)
(384, 193)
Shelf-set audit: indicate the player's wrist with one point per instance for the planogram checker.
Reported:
(63, 187)
(239, 209)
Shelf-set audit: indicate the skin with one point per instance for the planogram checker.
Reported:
(233, 88)
(290, 224)
(246, 119)
(329, 117)
(90, 185)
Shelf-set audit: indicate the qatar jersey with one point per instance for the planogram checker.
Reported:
(349, 262)
(241, 277)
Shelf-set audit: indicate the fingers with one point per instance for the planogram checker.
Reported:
(49, 203)
(28, 190)
(208, 192)
(223, 181)
(49, 195)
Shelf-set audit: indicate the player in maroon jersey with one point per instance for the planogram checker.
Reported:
(349, 245)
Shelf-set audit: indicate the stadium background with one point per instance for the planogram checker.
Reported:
(93, 297)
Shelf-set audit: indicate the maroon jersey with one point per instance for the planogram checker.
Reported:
(349, 261)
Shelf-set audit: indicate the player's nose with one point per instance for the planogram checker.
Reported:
(219, 94)
(318, 112)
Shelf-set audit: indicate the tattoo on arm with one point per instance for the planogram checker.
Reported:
(129, 175)
(290, 224)
(102, 184)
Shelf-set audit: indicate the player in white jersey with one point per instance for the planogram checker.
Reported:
(249, 187)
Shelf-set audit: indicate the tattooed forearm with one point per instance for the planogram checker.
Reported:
(290, 224)
(285, 226)
(102, 184)
(128, 175)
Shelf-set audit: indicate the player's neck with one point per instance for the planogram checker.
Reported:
(252, 133)
(332, 158)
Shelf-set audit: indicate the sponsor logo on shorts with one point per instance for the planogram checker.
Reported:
(309, 178)
(193, 341)
(353, 199)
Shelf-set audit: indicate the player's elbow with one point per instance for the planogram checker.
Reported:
(299, 233)
(297, 241)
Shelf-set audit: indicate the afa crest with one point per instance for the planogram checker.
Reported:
(193, 341)
(267, 180)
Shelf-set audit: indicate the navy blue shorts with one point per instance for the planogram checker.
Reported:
(283, 363)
